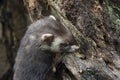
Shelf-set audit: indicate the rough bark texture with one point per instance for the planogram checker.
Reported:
(95, 25)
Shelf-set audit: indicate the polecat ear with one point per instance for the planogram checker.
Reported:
(47, 37)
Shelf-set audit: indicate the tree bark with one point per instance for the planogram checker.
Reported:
(95, 25)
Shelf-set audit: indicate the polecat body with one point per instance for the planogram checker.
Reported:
(43, 39)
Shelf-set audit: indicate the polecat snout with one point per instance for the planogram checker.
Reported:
(37, 50)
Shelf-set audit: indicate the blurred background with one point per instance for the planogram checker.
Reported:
(12, 27)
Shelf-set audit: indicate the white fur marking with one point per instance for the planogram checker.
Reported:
(43, 37)
(54, 69)
(45, 47)
(32, 37)
(74, 48)
(56, 44)
(51, 16)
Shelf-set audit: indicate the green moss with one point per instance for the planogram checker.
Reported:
(117, 22)
(110, 10)
(114, 15)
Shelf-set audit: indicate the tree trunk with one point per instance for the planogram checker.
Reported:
(95, 25)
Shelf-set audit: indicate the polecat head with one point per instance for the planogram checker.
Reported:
(56, 44)
(52, 35)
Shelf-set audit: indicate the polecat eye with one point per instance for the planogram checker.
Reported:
(63, 44)
(64, 47)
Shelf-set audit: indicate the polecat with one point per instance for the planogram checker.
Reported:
(42, 41)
